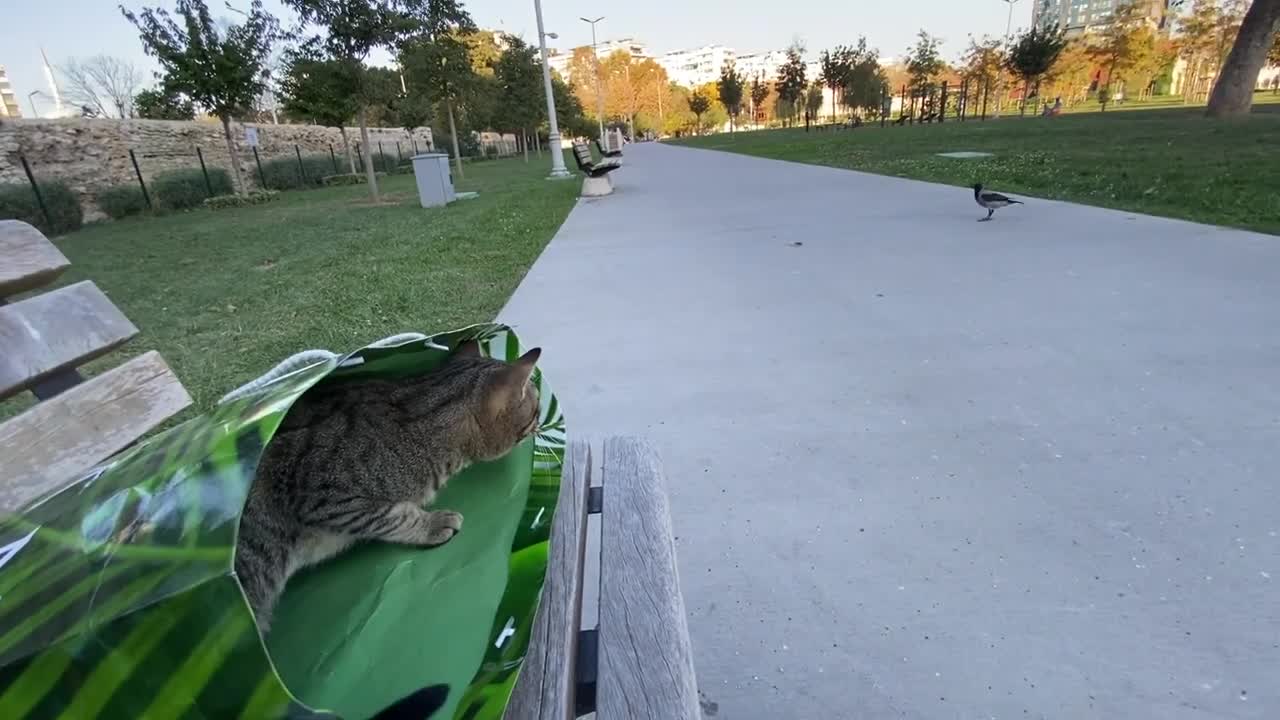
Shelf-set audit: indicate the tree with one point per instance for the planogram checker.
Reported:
(521, 105)
(219, 66)
(813, 100)
(924, 61)
(570, 116)
(161, 105)
(791, 80)
(104, 83)
(439, 67)
(834, 68)
(1072, 72)
(322, 92)
(864, 83)
(1032, 54)
(1232, 95)
(983, 66)
(699, 104)
(348, 30)
(730, 87)
(1125, 45)
(759, 93)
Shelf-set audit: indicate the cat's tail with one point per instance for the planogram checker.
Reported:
(416, 705)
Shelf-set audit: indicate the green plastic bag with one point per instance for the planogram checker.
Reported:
(117, 598)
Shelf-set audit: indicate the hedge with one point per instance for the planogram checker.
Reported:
(281, 173)
(183, 189)
(18, 202)
(121, 201)
(255, 197)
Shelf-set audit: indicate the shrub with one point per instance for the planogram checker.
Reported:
(183, 189)
(254, 197)
(344, 179)
(281, 173)
(121, 201)
(18, 202)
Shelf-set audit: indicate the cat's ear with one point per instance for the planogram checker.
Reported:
(468, 348)
(517, 376)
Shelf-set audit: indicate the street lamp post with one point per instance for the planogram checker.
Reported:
(599, 96)
(553, 138)
(1008, 30)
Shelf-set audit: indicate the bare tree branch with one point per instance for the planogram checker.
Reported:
(103, 83)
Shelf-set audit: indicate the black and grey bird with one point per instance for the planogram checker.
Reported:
(992, 201)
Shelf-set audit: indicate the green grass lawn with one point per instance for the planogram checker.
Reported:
(1174, 163)
(225, 294)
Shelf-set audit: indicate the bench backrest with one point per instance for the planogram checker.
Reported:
(45, 337)
(582, 154)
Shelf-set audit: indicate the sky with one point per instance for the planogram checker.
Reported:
(82, 28)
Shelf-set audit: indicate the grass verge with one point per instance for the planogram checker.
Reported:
(226, 294)
(1174, 163)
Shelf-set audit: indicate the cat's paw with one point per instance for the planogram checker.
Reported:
(443, 526)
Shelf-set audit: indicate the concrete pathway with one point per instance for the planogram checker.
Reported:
(926, 467)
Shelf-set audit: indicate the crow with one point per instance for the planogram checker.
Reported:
(991, 201)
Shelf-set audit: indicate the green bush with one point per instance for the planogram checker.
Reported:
(121, 201)
(18, 202)
(255, 197)
(281, 173)
(344, 179)
(183, 189)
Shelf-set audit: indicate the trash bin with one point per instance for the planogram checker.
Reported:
(435, 184)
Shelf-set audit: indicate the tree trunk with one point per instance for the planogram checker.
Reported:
(453, 133)
(231, 154)
(369, 174)
(537, 143)
(346, 148)
(524, 144)
(1232, 95)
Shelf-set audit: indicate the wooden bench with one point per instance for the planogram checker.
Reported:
(596, 182)
(45, 338)
(607, 153)
(637, 664)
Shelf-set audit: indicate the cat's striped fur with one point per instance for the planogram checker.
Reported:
(359, 461)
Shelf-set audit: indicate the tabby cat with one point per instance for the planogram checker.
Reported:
(359, 461)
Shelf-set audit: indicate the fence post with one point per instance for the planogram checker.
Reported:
(360, 157)
(383, 156)
(986, 93)
(964, 99)
(885, 103)
(145, 195)
(334, 158)
(942, 108)
(35, 188)
(208, 186)
(399, 157)
(262, 179)
(302, 172)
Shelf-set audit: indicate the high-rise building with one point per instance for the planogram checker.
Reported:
(8, 101)
(561, 61)
(761, 65)
(695, 67)
(1078, 17)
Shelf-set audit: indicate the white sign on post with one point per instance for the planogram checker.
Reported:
(251, 136)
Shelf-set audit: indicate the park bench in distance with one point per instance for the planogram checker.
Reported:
(77, 423)
(638, 663)
(605, 152)
(597, 181)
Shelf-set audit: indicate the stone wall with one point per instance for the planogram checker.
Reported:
(90, 155)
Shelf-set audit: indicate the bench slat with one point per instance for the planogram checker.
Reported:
(646, 661)
(51, 443)
(27, 259)
(55, 331)
(545, 689)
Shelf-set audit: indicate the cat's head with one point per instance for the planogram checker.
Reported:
(504, 402)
